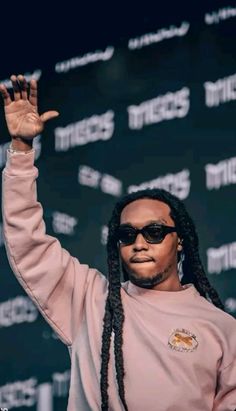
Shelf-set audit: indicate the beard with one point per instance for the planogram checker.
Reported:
(146, 282)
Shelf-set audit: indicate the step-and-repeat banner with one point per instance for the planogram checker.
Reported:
(158, 110)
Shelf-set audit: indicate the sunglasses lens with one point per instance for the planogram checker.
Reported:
(154, 234)
(126, 235)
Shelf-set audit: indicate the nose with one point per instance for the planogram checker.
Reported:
(140, 243)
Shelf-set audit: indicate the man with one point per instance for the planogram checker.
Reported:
(152, 342)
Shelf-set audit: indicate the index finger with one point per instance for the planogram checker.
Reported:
(5, 95)
(33, 94)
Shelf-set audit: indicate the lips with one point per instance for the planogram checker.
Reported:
(140, 260)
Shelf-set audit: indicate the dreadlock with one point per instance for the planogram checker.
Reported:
(192, 268)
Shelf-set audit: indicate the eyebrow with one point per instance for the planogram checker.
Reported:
(158, 221)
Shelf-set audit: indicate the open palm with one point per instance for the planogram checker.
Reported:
(21, 113)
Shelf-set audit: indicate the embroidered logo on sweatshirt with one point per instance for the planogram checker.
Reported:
(182, 340)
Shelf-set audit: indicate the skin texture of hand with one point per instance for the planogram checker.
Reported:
(21, 113)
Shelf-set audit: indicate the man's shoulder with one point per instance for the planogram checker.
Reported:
(217, 314)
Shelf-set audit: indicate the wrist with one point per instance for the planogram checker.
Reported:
(21, 144)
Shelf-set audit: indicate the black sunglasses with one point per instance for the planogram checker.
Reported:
(153, 233)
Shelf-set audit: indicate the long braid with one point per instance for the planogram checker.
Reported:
(106, 342)
(192, 266)
(113, 319)
(193, 272)
(118, 320)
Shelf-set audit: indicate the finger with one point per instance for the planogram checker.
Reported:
(5, 95)
(33, 95)
(16, 87)
(49, 115)
(23, 86)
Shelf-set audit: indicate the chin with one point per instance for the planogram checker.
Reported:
(143, 274)
(139, 272)
(146, 277)
(146, 281)
(144, 270)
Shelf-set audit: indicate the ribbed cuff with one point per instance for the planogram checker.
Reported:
(20, 162)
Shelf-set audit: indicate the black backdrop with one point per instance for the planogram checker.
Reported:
(144, 102)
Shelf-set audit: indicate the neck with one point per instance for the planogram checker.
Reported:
(171, 283)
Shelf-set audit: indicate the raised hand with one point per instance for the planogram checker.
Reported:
(21, 113)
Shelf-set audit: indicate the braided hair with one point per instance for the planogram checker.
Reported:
(192, 268)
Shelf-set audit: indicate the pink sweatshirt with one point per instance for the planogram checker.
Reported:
(179, 349)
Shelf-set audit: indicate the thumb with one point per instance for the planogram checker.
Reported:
(48, 115)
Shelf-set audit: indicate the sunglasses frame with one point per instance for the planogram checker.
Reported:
(166, 229)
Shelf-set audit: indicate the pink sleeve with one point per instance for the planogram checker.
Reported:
(53, 279)
(225, 399)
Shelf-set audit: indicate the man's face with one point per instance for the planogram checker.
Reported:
(163, 256)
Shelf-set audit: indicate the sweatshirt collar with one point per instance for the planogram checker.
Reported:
(185, 294)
